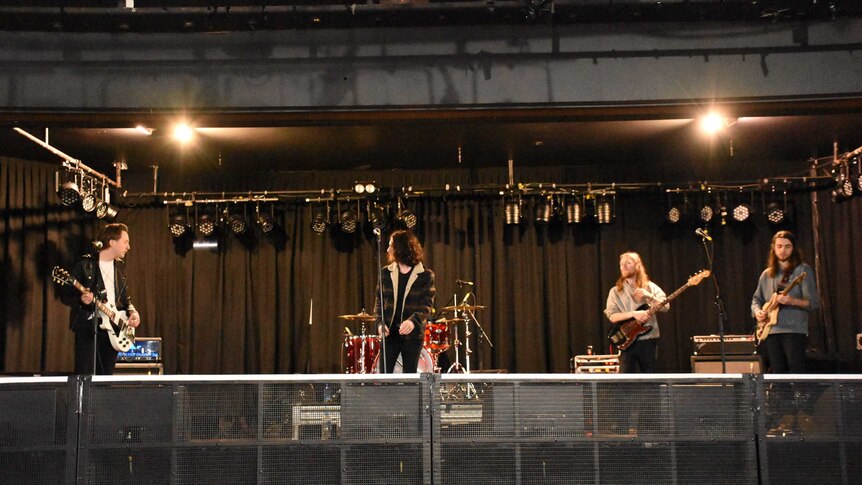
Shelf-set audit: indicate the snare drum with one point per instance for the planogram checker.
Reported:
(426, 364)
(436, 337)
(359, 353)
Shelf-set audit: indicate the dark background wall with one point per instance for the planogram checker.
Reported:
(245, 308)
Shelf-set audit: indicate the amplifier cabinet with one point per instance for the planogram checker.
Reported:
(736, 364)
(139, 368)
(733, 345)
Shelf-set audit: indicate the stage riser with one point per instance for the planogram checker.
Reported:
(431, 429)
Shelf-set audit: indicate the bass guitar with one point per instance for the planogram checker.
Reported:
(115, 322)
(771, 309)
(624, 333)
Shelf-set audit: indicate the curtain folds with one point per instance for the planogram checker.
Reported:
(270, 305)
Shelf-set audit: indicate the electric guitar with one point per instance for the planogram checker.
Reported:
(624, 333)
(115, 323)
(771, 309)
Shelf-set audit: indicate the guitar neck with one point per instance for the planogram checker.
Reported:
(653, 309)
(101, 306)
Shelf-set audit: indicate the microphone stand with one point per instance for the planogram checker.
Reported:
(380, 304)
(719, 304)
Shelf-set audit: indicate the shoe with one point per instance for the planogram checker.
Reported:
(785, 426)
(804, 422)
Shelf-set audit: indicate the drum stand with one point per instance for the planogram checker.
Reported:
(470, 389)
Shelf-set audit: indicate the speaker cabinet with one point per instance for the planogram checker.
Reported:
(139, 368)
(736, 364)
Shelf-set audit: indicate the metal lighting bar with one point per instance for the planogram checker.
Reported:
(71, 162)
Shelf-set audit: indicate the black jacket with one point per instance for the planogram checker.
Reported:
(86, 271)
(418, 301)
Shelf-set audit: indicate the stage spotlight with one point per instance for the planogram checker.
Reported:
(574, 212)
(319, 220)
(843, 184)
(179, 225)
(674, 215)
(183, 133)
(775, 213)
(237, 223)
(89, 202)
(365, 188)
(266, 223)
(543, 212)
(206, 225)
(604, 211)
(742, 213)
(105, 211)
(69, 192)
(377, 218)
(347, 222)
(707, 213)
(408, 219)
(513, 212)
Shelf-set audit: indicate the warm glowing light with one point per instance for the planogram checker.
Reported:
(712, 123)
(183, 132)
(143, 129)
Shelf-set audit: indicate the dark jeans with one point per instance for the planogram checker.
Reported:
(106, 357)
(641, 356)
(409, 350)
(786, 352)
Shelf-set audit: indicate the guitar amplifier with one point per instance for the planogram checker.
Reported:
(733, 345)
(145, 349)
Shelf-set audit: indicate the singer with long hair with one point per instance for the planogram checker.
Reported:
(408, 297)
(103, 274)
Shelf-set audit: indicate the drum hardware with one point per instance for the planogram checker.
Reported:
(464, 312)
(359, 317)
(359, 352)
(462, 307)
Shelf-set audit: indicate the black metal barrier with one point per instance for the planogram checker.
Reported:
(424, 429)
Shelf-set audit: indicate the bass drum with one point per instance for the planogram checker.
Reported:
(426, 364)
(359, 354)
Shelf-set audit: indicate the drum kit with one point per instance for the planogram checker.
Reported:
(360, 353)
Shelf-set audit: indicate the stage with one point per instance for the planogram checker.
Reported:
(431, 428)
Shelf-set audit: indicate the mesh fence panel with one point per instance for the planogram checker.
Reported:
(434, 429)
(34, 425)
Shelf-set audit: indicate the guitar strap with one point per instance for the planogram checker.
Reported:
(785, 279)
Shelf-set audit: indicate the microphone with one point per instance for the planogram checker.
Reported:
(376, 231)
(464, 283)
(702, 233)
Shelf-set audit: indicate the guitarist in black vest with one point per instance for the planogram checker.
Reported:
(632, 291)
(104, 275)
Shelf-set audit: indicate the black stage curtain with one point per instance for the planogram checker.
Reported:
(247, 308)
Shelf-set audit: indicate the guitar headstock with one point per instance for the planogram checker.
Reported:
(62, 277)
(698, 277)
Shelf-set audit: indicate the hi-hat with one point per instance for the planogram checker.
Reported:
(462, 307)
(359, 317)
(448, 320)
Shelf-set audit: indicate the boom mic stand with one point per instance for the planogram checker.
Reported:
(719, 304)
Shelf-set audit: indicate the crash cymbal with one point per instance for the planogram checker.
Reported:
(359, 317)
(448, 320)
(463, 307)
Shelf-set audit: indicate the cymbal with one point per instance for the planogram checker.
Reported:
(448, 320)
(359, 317)
(463, 307)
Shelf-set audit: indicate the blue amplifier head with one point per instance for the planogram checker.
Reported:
(145, 349)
